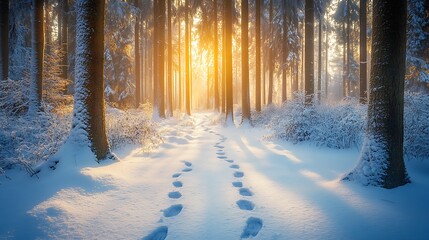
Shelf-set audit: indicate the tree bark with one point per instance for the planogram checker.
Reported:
(159, 103)
(245, 98)
(285, 52)
(216, 58)
(362, 50)
(258, 56)
(348, 61)
(381, 163)
(170, 62)
(228, 10)
(64, 37)
(137, 55)
(309, 51)
(271, 55)
(187, 60)
(89, 109)
(38, 44)
(4, 39)
(319, 61)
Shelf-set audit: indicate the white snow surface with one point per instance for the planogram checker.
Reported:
(294, 191)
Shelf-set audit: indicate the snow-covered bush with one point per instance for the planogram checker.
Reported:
(131, 127)
(416, 121)
(342, 125)
(339, 126)
(27, 141)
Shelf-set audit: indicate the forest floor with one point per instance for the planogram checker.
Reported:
(212, 182)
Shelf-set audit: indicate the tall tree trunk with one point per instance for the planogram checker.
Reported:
(170, 62)
(89, 110)
(216, 58)
(362, 52)
(179, 32)
(271, 55)
(258, 57)
(348, 61)
(159, 104)
(223, 61)
(319, 61)
(309, 51)
(344, 59)
(228, 10)
(381, 163)
(326, 58)
(38, 43)
(187, 59)
(245, 98)
(137, 54)
(47, 26)
(4, 39)
(155, 82)
(285, 52)
(64, 37)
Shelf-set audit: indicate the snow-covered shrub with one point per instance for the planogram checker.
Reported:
(416, 132)
(342, 125)
(27, 141)
(339, 126)
(133, 126)
(14, 96)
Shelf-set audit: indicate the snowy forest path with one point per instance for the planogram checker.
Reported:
(207, 181)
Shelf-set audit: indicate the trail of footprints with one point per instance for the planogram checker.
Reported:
(253, 224)
(161, 232)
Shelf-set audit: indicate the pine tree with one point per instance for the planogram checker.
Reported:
(4, 39)
(245, 61)
(258, 56)
(38, 45)
(362, 51)
(382, 161)
(309, 51)
(228, 10)
(89, 109)
(137, 55)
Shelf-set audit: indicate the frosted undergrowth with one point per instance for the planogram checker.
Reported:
(27, 142)
(342, 125)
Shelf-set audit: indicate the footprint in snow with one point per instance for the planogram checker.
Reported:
(187, 170)
(188, 164)
(158, 234)
(174, 195)
(222, 157)
(245, 205)
(220, 153)
(177, 184)
(173, 210)
(238, 174)
(176, 175)
(245, 192)
(218, 146)
(234, 166)
(230, 161)
(237, 184)
(252, 228)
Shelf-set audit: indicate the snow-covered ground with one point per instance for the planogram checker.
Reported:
(210, 182)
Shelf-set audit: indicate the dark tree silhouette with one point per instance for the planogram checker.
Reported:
(89, 110)
(381, 162)
(4, 39)
(309, 50)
